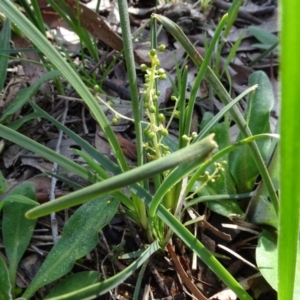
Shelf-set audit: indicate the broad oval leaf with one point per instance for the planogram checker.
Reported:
(79, 237)
(242, 165)
(74, 282)
(94, 290)
(267, 261)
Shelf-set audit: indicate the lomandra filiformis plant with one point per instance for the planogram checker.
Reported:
(155, 131)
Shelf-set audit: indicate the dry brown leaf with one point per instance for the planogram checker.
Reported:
(128, 147)
(98, 28)
(42, 186)
(42, 3)
(52, 19)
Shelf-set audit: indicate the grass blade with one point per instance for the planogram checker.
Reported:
(200, 75)
(4, 44)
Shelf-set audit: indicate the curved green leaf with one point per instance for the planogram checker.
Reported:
(196, 152)
(4, 45)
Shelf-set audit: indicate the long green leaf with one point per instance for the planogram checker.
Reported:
(232, 12)
(4, 45)
(289, 216)
(196, 152)
(80, 236)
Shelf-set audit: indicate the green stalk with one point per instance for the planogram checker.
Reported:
(181, 106)
(130, 64)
